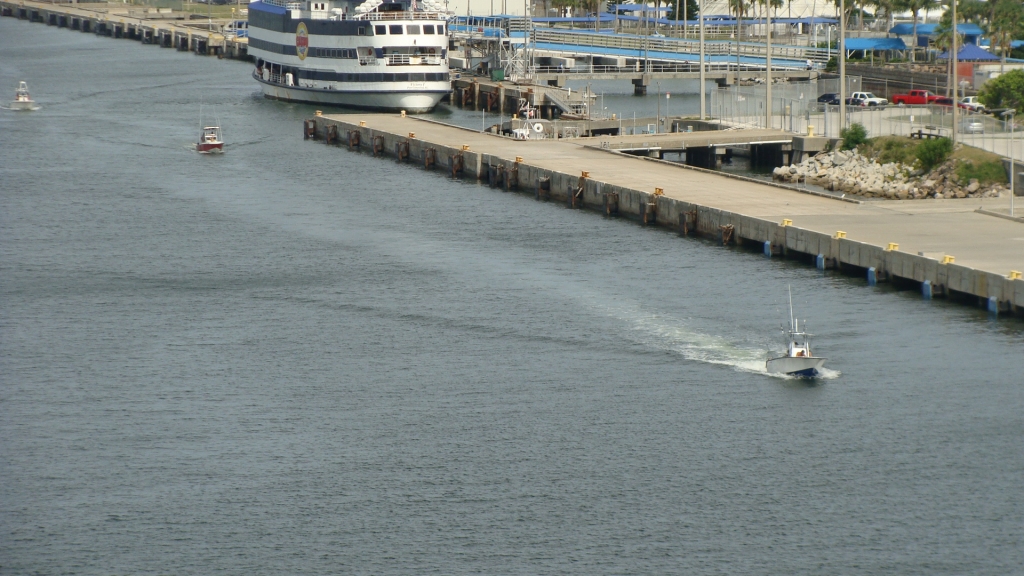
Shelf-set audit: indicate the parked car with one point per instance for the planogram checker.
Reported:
(972, 126)
(832, 99)
(858, 102)
(971, 103)
(914, 97)
(870, 99)
(943, 101)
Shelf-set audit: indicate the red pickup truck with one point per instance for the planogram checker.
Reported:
(914, 97)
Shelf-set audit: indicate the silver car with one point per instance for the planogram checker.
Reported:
(973, 127)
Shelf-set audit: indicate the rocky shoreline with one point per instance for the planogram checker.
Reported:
(852, 173)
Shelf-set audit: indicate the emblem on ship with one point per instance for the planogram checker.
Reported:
(302, 41)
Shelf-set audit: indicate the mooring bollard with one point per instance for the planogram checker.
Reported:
(872, 276)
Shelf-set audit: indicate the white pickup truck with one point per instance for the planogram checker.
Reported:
(869, 99)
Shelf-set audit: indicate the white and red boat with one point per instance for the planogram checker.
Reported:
(22, 100)
(210, 141)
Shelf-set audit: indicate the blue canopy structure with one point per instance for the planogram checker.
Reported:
(636, 8)
(874, 44)
(604, 17)
(971, 32)
(971, 53)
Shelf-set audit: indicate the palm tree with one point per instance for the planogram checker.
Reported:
(1006, 25)
(914, 6)
(740, 9)
(887, 7)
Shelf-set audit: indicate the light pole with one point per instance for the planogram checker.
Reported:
(842, 65)
(657, 123)
(953, 55)
(1013, 168)
(768, 67)
(700, 12)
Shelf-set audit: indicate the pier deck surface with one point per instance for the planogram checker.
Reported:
(933, 227)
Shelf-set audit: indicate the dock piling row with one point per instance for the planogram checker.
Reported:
(876, 263)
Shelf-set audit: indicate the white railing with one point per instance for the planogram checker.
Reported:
(689, 46)
(289, 4)
(402, 16)
(412, 60)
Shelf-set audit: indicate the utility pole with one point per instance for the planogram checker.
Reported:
(768, 67)
(842, 64)
(700, 10)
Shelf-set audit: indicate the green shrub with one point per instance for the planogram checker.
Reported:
(832, 65)
(854, 136)
(985, 172)
(895, 149)
(931, 153)
(1006, 91)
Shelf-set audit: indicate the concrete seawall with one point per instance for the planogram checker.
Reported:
(934, 275)
(118, 21)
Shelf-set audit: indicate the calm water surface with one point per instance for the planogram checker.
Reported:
(293, 359)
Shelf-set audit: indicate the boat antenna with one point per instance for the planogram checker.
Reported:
(792, 322)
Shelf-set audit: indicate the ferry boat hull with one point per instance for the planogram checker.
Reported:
(414, 101)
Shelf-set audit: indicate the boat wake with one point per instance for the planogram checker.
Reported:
(32, 108)
(672, 335)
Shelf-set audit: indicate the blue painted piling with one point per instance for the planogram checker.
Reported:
(819, 262)
(926, 289)
(993, 305)
(768, 248)
(872, 276)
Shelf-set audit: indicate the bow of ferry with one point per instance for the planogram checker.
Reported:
(374, 55)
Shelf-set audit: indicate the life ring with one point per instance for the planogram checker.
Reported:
(538, 127)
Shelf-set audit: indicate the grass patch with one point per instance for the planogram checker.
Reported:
(985, 172)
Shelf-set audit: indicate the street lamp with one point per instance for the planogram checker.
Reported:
(1011, 113)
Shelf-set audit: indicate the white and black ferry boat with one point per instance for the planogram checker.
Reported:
(375, 54)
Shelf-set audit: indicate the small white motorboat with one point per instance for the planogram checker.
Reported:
(22, 100)
(798, 361)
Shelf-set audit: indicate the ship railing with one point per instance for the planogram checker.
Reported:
(414, 15)
(367, 60)
(289, 4)
(413, 60)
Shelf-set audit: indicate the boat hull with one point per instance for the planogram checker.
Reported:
(412, 101)
(802, 366)
(207, 147)
(23, 105)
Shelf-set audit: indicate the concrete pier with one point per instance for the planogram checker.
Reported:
(121, 21)
(968, 256)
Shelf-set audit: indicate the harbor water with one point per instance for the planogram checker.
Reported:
(295, 359)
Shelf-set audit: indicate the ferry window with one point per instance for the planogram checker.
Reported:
(395, 29)
(412, 29)
(440, 28)
(361, 31)
(380, 30)
(428, 28)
